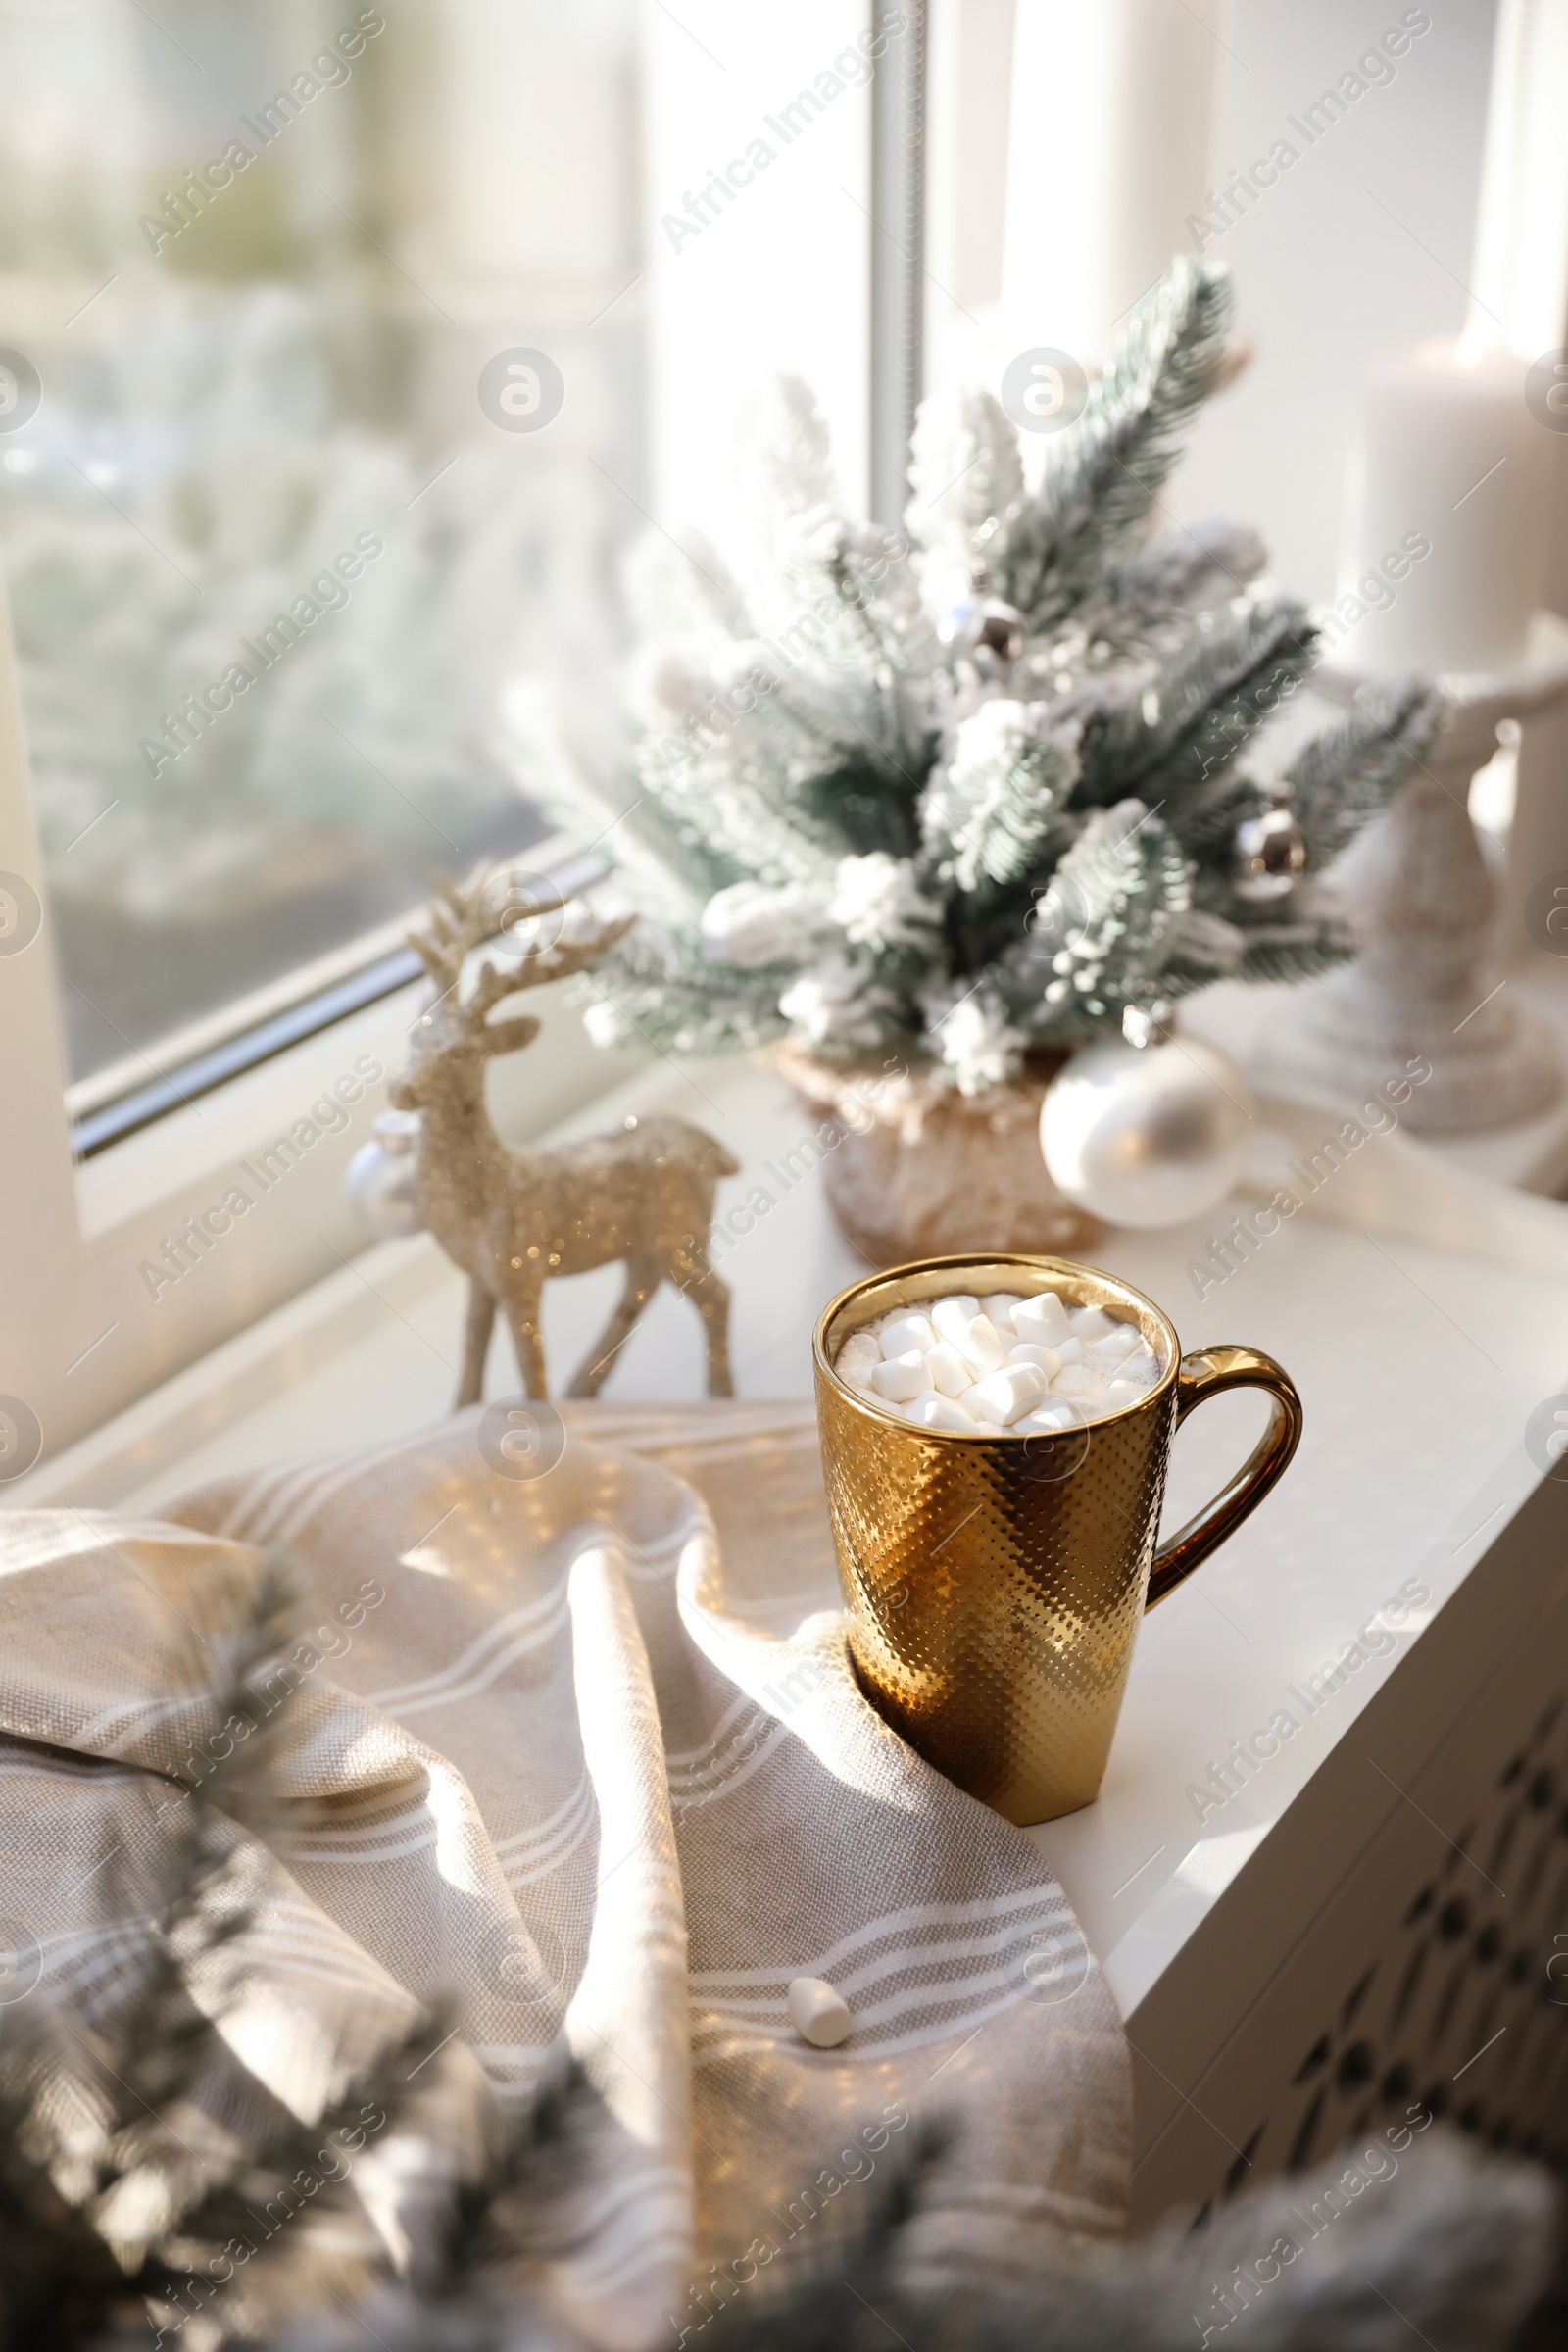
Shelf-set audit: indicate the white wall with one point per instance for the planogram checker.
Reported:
(1066, 145)
(1363, 247)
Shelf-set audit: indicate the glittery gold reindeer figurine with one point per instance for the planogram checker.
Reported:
(512, 1218)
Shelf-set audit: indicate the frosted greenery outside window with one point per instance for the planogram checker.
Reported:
(278, 568)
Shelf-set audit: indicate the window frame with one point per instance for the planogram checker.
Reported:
(299, 1006)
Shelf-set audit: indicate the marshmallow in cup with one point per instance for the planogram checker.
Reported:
(979, 1366)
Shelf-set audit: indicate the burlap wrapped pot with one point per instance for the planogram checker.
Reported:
(924, 1171)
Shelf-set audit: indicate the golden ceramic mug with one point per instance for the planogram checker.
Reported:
(995, 1582)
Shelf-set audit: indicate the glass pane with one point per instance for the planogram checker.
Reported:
(322, 433)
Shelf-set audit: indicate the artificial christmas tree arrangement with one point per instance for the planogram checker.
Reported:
(923, 815)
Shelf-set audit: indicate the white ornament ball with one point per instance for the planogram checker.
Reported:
(1148, 1136)
(750, 925)
(382, 1182)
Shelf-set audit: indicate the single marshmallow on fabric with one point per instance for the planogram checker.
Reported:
(902, 1377)
(1047, 1358)
(903, 1331)
(997, 1310)
(1002, 1397)
(935, 1412)
(981, 1345)
(1043, 1319)
(953, 1314)
(819, 2014)
(858, 1357)
(949, 1371)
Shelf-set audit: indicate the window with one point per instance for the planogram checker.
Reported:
(282, 524)
(348, 353)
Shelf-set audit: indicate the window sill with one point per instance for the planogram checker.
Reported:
(1411, 1470)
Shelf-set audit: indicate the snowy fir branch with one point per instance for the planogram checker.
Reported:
(1347, 774)
(1115, 458)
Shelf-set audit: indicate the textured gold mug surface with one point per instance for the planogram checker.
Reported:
(995, 1582)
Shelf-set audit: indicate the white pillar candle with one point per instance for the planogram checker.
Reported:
(1444, 544)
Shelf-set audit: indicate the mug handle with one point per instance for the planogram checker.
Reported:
(1202, 1375)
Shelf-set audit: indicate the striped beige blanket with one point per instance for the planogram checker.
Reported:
(583, 1751)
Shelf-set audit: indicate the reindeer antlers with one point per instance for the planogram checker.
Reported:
(458, 920)
(455, 925)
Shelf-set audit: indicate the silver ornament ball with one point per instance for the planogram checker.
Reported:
(1271, 856)
(1145, 1136)
(382, 1182)
(990, 633)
